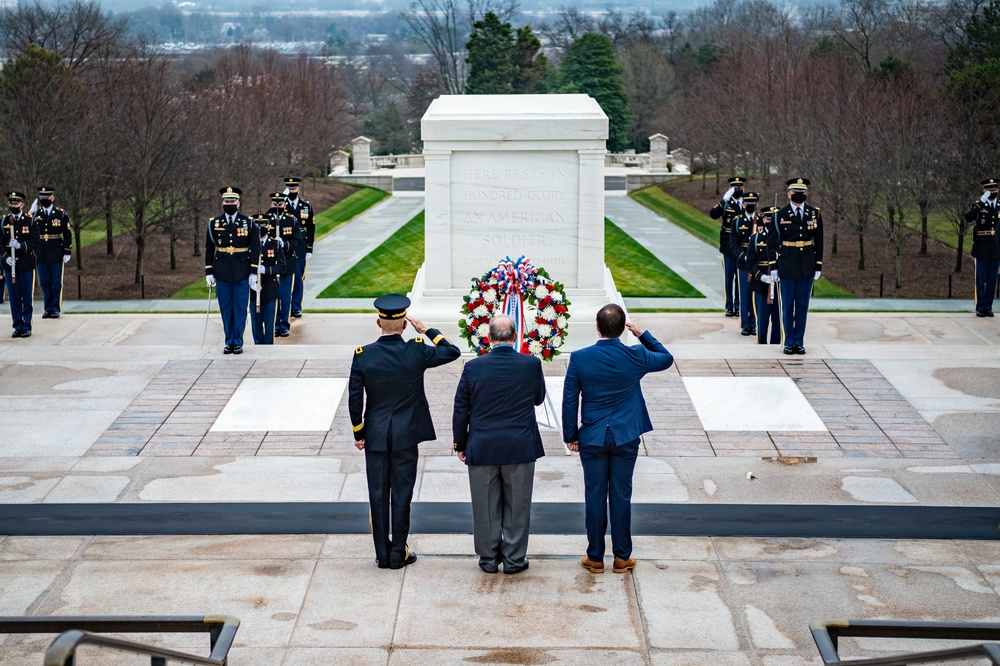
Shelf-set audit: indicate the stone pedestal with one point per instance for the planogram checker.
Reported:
(514, 175)
(362, 148)
(340, 161)
(659, 154)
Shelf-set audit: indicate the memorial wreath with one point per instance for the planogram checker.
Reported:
(504, 290)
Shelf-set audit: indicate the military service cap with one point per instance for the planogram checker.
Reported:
(230, 192)
(751, 196)
(293, 182)
(736, 181)
(46, 191)
(14, 197)
(277, 196)
(770, 210)
(392, 306)
(798, 184)
(990, 184)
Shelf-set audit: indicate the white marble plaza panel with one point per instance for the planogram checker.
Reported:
(511, 204)
(751, 404)
(302, 404)
(549, 413)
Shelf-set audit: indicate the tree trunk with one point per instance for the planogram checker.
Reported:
(76, 244)
(899, 264)
(961, 249)
(704, 175)
(197, 234)
(861, 250)
(173, 255)
(833, 244)
(109, 227)
(140, 246)
(923, 228)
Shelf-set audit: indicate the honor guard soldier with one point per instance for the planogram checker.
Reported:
(303, 211)
(986, 246)
(232, 250)
(739, 240)
(797, 237)
(762, 261)
(288, 229)
(270, 269)
(729, 207)
(390, 416)
(20, 238)
(54, 249)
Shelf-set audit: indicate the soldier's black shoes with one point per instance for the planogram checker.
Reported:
(296, 313)
(281, 334)
(789, 349)
(731, 313)
(514, 570)
(989, 313)
(228, 349)
(746, 331)
(54, 315)
(382, 565)
(411, 558)
(46, 315)
(753, 330)
(980, 313)
(237, 349)
(800, 350)
(15, 334)
(25, 334)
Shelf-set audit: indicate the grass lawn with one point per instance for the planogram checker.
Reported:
(348, 209)
(687, 217)
(637, 272)
(826, 289)
(391, 267)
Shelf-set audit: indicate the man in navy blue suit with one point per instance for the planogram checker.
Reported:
(497, 436)
(612, 418)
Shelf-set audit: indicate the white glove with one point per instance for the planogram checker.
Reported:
(261, 269)
(766, 279)
(281, 242)
(14, 244)
(985, 198)
(732, 190)
(10, 261)
(210, 280)
(774, 276)
(309, 255)
(817, 275)
(66, 258)
(254, 284)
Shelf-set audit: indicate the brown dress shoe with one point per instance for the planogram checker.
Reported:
(621, 566)
(592, 567)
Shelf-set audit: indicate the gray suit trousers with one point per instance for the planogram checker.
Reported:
(501, 512)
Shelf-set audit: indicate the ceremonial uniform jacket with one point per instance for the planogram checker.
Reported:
(272, 258)
(232, 249)
(739, 238)
(726, 210)
(55, 235)
(386, 389)
(26, 233)
(291, 232)
(799, 245)
(761, 257)
(986, 232)
(303, 211)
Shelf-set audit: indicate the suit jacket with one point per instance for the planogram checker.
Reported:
(985, 232)
(607, 374)
(389, 373)
(798, 262)
(494, 416)
(55, 235)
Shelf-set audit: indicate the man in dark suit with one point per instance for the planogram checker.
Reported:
(612, 418)
(390, 416)
(497, 436)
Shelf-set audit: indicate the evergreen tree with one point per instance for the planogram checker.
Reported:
(387, 128)
(982, 38)
(590, 67)
(491, 57)
(532, 65)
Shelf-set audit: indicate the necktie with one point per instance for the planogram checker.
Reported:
(798, 214)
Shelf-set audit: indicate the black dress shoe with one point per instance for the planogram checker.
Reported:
(411, 558)
(789, 349)
(46, 315)
(237, 349)
(25, 334)
(980, 313)
(489, 567)
(753, 330)
(800, 350)
(15, 334)
(281, 334)
(989, 313)
(54, 315)
(382, 565)
(745, 331)
(730, 313)
(296, 313)
(514, 570)
(228, 349)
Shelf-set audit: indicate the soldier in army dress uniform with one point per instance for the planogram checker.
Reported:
(729, 207)
(20, 237)
(232, 249)
(797, 238)
(390, 416)
(741, 228)
(303, 211)
(289, 230)
(55, 245)
(762, 263)
(270, 269)
(985, 213)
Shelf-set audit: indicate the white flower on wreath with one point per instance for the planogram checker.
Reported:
(544, 330)
(541, 291)
(549, 313)
(555, 342)
(475, 294)
(483, 330)
(535, 347)
(493, 280)
(561, 321)
(474, 339)
(481, 311)
(490, 296)
(556, 296)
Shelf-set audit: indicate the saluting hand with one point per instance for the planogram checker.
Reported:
(633, 329)
(418, 325)
(360, 444)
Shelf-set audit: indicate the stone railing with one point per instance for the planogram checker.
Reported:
(641, 160)
(396, 161)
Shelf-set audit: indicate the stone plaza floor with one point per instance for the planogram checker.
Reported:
(886, 410)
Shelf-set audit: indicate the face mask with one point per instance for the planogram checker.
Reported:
(45, 203)
(751, 208)
(292, 196)
(993, 195)
(15, 210)
(798, 197)
(229, 209)
(738, 194)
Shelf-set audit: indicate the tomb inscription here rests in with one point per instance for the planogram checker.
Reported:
(512, 175)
